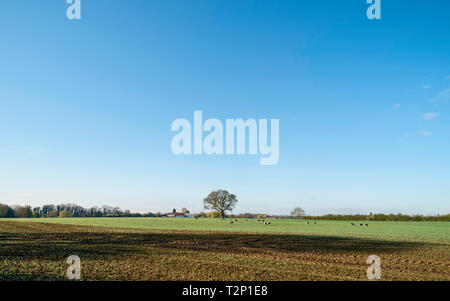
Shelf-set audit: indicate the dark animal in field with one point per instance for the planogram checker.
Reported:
(314, 223)
(352, 224)
(360, 224)
(259, 220)
(367, 225)
(266, 223)
(231, 222)
(263, 220)
(307, 223)
(235, 220)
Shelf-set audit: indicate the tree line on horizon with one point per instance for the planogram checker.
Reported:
(63, 210)
(380, 217)
(72, 210)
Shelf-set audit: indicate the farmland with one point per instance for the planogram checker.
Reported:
(211, 249)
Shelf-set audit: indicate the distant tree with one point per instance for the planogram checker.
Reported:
(53, 213)
(107, 210)
(65, 214)
(220, 201)
(298, 212)
(46, 209)
(174, 210)
(94, 212)
(22, 211)
(6, 211)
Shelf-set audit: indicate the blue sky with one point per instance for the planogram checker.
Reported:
(86, 105)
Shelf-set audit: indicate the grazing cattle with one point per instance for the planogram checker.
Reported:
(360, 224)
(231, 222)
(259, 220)
(367, 225)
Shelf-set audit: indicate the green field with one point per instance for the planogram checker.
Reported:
(404, 231)
(212, 249)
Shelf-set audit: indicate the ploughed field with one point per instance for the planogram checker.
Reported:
(211, 249)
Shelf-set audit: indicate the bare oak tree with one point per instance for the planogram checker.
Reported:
(220, 201)
(298, 212)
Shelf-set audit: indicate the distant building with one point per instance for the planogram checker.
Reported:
(176, 214)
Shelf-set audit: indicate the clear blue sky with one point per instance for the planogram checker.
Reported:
(86, 106)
